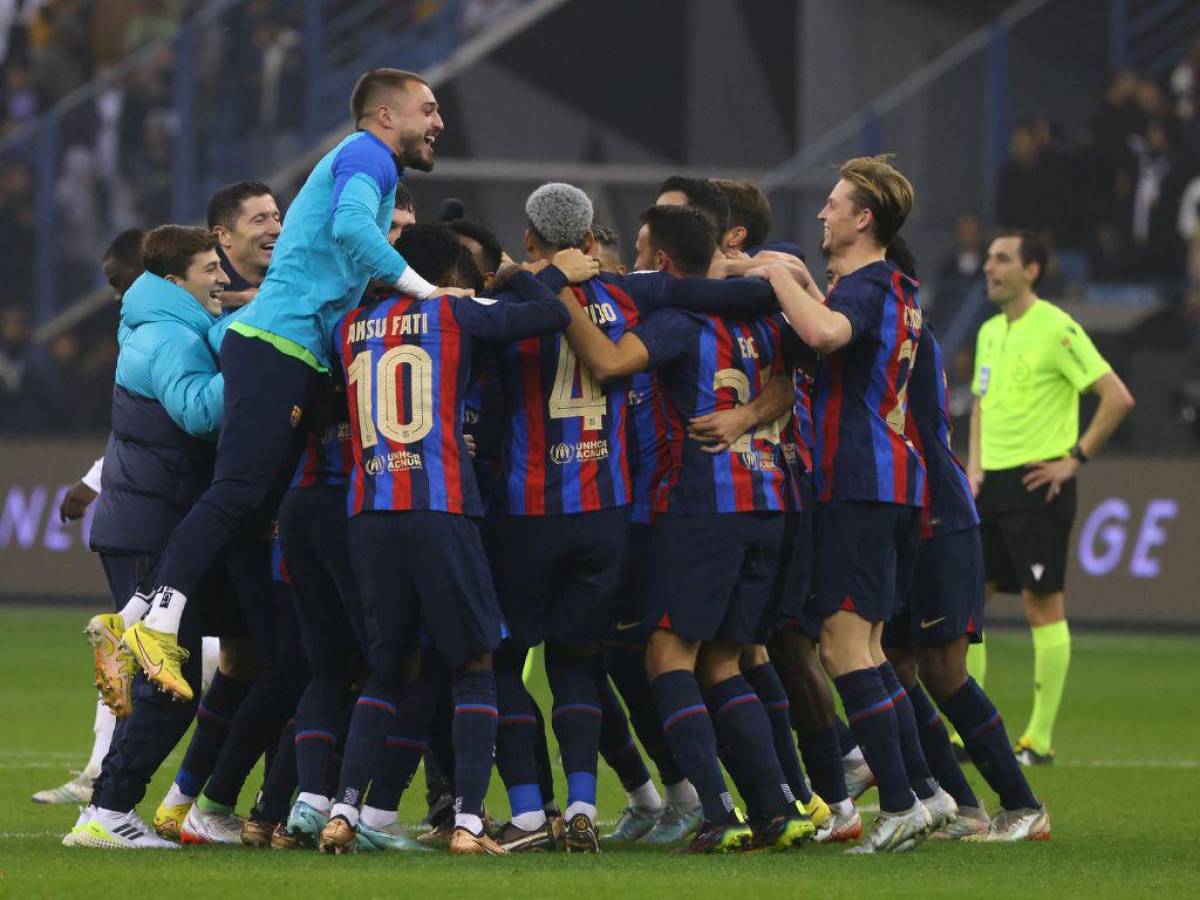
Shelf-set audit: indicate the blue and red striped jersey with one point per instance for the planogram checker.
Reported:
(649, 450)
(567, 449)
(859, 395)
(279, 570)
(407, 369)
(706, 364)
(566, 438)
(948, 503)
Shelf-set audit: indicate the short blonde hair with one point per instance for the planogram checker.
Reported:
(879, 186)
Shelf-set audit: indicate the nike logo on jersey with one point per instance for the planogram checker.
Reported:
(929, 623)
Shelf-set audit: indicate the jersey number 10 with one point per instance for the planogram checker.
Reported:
(387, 376)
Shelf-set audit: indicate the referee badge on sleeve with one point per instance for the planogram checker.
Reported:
(985, 373)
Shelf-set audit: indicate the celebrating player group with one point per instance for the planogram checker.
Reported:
(382, 462)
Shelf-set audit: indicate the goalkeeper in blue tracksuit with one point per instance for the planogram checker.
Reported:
(276, 351)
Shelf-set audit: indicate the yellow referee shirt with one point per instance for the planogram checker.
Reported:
(1028, 378)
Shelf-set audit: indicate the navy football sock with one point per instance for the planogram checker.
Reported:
(370, 723)
(616, 742)
(474, 736)
(935, 742)
(576, 719)
(319, 719)
(846, 739)
(979, 724)
(689, 732)
(214, 715)
(734, 765)
(280, 782)
(256, 728)
(765, 681)
(822, 754)
(409, 737)
(441, 746)
(919, 776)
(516, 735)
(541, 754)
(746, 731)
(626, 665)
(873, 719)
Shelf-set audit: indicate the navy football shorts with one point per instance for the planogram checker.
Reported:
(631, 626)
(558, 576)
(946, 600)
(794, 582)
(865, 556)
(712, 577)
(422, 572)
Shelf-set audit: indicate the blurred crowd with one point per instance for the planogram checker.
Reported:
(1119, 203)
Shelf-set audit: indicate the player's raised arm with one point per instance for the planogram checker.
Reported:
(526, 309)
(605, 359)
(820, 327)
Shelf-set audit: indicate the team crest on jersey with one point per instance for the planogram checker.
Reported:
(396, 461)
(297, 415)
(585, 451)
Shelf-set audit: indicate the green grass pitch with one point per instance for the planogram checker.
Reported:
(1124, 799)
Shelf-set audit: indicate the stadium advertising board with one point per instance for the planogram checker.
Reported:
(1133, 555)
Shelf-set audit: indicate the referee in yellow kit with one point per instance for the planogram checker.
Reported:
(1032, 361)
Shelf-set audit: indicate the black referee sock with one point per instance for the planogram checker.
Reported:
(873, 720)
(765, 681)
(935, 742)
(919, 776)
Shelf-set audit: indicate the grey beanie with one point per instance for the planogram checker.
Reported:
(560, 213)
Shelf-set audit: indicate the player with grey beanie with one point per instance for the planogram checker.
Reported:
(560, 214)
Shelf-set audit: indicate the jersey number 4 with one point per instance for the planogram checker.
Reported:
(387, 386)
(589, 404)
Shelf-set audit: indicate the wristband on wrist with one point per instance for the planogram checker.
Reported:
(1078, 455)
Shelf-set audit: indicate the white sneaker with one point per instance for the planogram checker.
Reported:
(859, 777)
(118, 831)
(85, 814)
(941, 808)
(841, 827)
(971, 820)
(202, 827)
(896, 832)
(78, 790)
(1012, 825)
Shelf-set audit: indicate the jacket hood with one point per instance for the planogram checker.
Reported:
(154, 299)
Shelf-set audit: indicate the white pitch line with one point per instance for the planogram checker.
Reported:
(1131, 763)
(19, 835)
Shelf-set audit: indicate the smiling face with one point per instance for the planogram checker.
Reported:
(204, 280)
(251, 241)
(413, 115)
(842, 219)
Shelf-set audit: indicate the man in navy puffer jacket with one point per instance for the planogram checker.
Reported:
(167, 410)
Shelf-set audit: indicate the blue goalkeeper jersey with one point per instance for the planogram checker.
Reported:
(334, 240)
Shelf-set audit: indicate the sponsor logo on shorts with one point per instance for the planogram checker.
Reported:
(929, 623)
(396, 461)
(585, 451)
